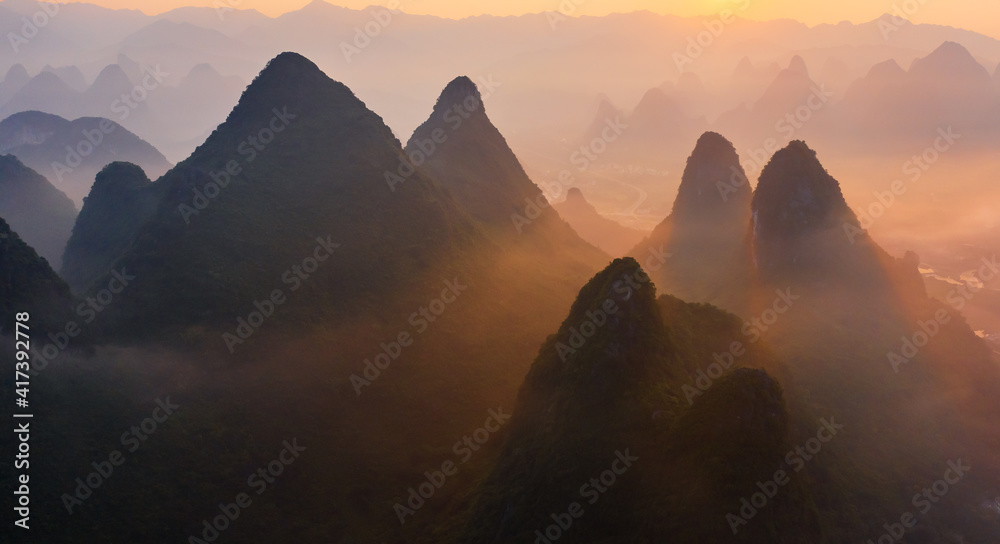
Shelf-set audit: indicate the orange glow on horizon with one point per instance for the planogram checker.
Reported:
(968, 14)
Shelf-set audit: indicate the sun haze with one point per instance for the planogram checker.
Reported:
(969, 14)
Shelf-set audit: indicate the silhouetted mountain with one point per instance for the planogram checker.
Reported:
(41, 140)
(803, 230)
(111, 84)
(470, 158)
(657, 116)
(16, 78)
(603, 392)
(319, 179)
(798, 65)
(749, 82)
(28, 284)
(33, 206)
(952, 64)
(610, 236)
(121, 200)
(789, 90)
(888, 107)
(606, 111)
(700, 252)
(473, 161)
(44, 92)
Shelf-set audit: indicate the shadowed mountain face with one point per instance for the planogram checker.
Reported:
(802, 224)
(841, 311)
(608, 235)
(28, 284)
(603, 392)
(71, 153)
(701, 248)
(33, 206)
(239, 213)
(462, 150)
(121, 200)
(469, 156)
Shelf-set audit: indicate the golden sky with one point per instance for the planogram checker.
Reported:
(979, 15)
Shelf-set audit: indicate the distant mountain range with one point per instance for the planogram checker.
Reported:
(35, 207)
(304, 225)
(70, 153)
(86, 39)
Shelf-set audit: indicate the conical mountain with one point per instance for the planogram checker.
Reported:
(846, 316)
(594, 381)
(605, 394)
(296, 172)
(803, 229)
(35, 207)
(16, 75)
(460, 148)
(606, 113)
(700, 252)
(952, 63)
(28, 284)
(12, 82)
(111, 83)
(122, 200)
(44, 92)
(606, 234)
(788, 91)
(471, 158)
(657, 115)
(883, 78)
(798, 65)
